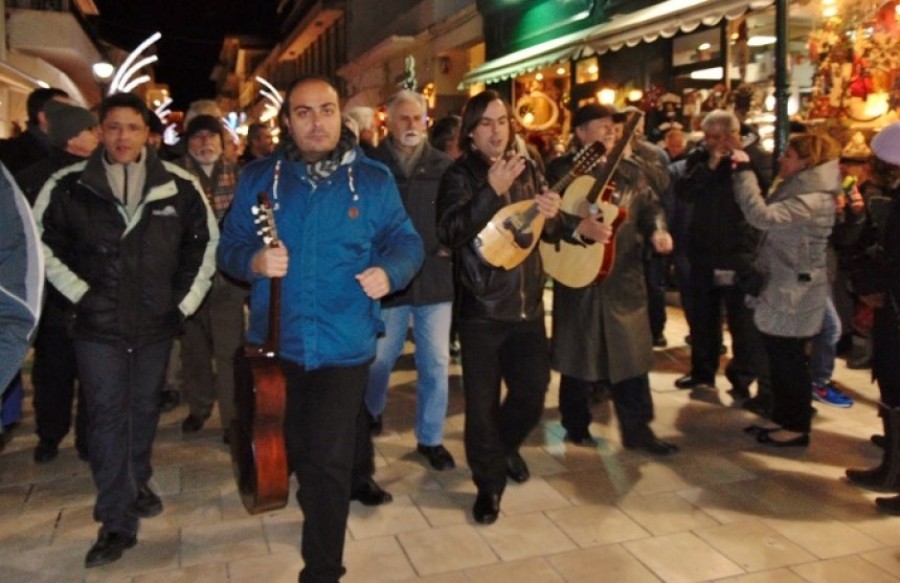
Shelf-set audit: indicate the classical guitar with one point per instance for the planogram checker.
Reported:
(515, 229)
(258, 454)
(581, 265)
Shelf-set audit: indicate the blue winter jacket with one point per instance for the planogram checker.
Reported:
(333, 230)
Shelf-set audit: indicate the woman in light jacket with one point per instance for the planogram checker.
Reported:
(796, 219)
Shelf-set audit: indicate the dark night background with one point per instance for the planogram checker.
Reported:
(192, 33)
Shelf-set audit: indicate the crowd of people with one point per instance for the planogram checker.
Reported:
(142, 247)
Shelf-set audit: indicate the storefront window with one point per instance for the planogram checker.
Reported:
(587, 70)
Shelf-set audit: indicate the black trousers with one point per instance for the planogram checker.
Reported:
(121, 385)
(656, 281)
(791, 382)
(631, 398)
(886, 355)
(749, 360)
(324, 427)
(514, 352)
(54, 375)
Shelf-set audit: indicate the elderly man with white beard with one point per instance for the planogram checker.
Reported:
(417, 168)
(214, 332)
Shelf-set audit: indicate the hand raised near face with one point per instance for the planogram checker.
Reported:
(504, 171)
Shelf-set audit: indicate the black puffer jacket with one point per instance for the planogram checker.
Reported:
(434, 282)
(466, 204)
(131, 278)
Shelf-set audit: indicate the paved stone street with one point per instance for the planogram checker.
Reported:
(724, 508)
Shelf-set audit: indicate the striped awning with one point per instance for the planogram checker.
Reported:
(664, 19)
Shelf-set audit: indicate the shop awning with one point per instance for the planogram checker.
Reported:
(664, 19)
(517, 63)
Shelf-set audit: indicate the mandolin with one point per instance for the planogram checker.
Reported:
(515, 229)
(256, 435)
(581, 265)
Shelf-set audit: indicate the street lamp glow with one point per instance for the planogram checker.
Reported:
(103, 71)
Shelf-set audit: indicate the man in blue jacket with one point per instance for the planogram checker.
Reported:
(345, 242)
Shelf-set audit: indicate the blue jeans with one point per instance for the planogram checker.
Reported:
(431, 333)
(824, 345)
(121, 383)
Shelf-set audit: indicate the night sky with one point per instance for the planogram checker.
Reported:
(192, 33)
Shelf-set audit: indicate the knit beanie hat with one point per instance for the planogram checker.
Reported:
(203, 122)
(886, 144)
(66, 121)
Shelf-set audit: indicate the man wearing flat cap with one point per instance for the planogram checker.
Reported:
(215, 331)
(73, 137)
(601, 333)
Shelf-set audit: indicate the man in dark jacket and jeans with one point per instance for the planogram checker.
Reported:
(428, 300)
(721, 247)
(129, 240)
(73, 135)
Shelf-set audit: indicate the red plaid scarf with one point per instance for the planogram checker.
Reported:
(218, 187)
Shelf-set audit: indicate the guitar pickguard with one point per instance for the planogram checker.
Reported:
(581, 265)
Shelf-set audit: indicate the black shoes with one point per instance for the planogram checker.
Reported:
(660, 341)
(653, 446)
(46, 450)
(168, 400)
(689, 382)
(192, 424)
(438, 456)
(486, 508)
(580, 439)
(764, 436)
(370, 494)
(147, 504)
(376, 424)
(516, 468)
(888, 505)
(108, 548)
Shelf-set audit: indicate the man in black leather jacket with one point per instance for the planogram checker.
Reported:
(501, 313)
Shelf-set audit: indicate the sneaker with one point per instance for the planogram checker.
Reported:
(830, 395)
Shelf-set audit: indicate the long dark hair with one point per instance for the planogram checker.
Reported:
(472, 114)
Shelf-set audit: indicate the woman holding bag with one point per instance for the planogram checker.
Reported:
(796, 220)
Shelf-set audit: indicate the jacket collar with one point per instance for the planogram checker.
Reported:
(94, 175)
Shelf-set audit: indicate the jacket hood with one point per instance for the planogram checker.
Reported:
(822, 178)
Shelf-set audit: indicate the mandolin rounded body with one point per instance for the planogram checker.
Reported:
(510, 235)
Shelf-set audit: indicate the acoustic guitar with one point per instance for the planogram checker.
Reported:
(576, 265)
(258, 454)
(515, 229)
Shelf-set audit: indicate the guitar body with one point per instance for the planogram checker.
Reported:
(258, 454)
(576, 265)
(510, 235)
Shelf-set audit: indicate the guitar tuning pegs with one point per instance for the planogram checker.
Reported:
(255, 209)
(267, 240)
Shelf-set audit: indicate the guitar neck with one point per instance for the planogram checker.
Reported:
(614, 157)
(274, 337)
